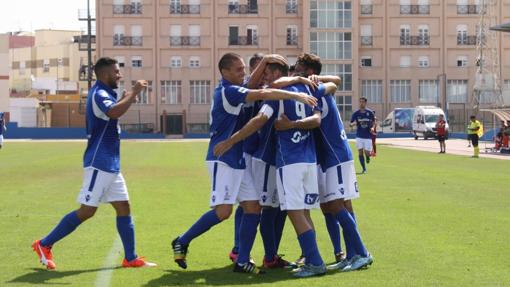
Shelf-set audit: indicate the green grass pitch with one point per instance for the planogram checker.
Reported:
(428, 220)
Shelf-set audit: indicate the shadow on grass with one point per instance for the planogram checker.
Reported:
(43, 276)
(219, 277)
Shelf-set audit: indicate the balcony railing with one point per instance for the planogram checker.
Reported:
(133, 8)
(243, 41)
(185, 41)
(83, 73)
(422, 40)
(292, 40)
(119, 40)
(414, 9)
(242, 9)
(466, 40)
(83, 42)
(467, 9)
(366, 9)
(366, 40)
(291, 8)
(184, 9)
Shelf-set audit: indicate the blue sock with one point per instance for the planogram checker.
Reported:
(334, 232)
(278, 227)
(309, 248)
(362, 161)
(267, 231)
(67, 225)
(204, 223)
(353, 216)
(247, 234)
(351, 234)
(126, 230)
(237, 222)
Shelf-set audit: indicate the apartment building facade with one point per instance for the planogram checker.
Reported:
(4, 73)
(397, 53)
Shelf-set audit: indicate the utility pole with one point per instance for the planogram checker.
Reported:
(89, 46)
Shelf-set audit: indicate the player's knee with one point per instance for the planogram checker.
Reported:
(86, 212)
(223, 212)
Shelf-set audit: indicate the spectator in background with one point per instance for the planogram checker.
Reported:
(441, 133)
(473, 133)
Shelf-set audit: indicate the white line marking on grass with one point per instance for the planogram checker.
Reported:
(105, 276)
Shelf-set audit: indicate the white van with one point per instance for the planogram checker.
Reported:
(424, 121)
(399, 120)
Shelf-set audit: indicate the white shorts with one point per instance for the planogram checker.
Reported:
(1, 139)
(247, 191)
(365, 144)
(100, 186)
(225, 183)
(338, 182)
(297, 186)
(265, 185)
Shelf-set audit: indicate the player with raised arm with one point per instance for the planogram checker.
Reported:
(226, 170)
(364, 120)
(102, 180)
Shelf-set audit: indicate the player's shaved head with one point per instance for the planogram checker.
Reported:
(227, 60)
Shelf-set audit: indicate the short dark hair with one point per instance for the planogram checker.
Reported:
(102, 63)
(284, 69)
(292, 68)
(310, 61)
(363, 99)
(255, 58)
(472, 117)
(227, 60)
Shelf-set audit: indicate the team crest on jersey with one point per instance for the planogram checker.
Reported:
(311, 198)
(342, 191)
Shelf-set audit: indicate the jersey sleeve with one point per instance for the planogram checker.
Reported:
(320, 92)
(236, 95)
(103, 101)
(273, 105)
(266, 110)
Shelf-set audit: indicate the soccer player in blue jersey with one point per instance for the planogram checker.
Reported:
(263, 167)
(249, 146)
(2, 129)
(226, 170)
(364, 120)
(337, 177)
(102, 180)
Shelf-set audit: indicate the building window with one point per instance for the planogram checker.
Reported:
(400, 91)
(366, 61)
(136, 6)
(405, 35)
(22, 67)
(251, 35)
(462, 37)
(405, 61)
(175, 62)
(344, 71)
(462, 61)
(136, 35)
(506, 85)
(200, 92)
(292, 38)
(457, 91)
(330, 14)
(171, 92)
(145, 94)
(366, 7)
(423, 62)
(121, 61)
(344, 105)
(372, 90)
(428, 92)
(194, 62)
(118, 35)
(291, 6)
(46, 65)
(121, 88)
(136, 61)
(331, 45)
(423, 35)
(366, 35)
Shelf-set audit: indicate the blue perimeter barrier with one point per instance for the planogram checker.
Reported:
(15, 132)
